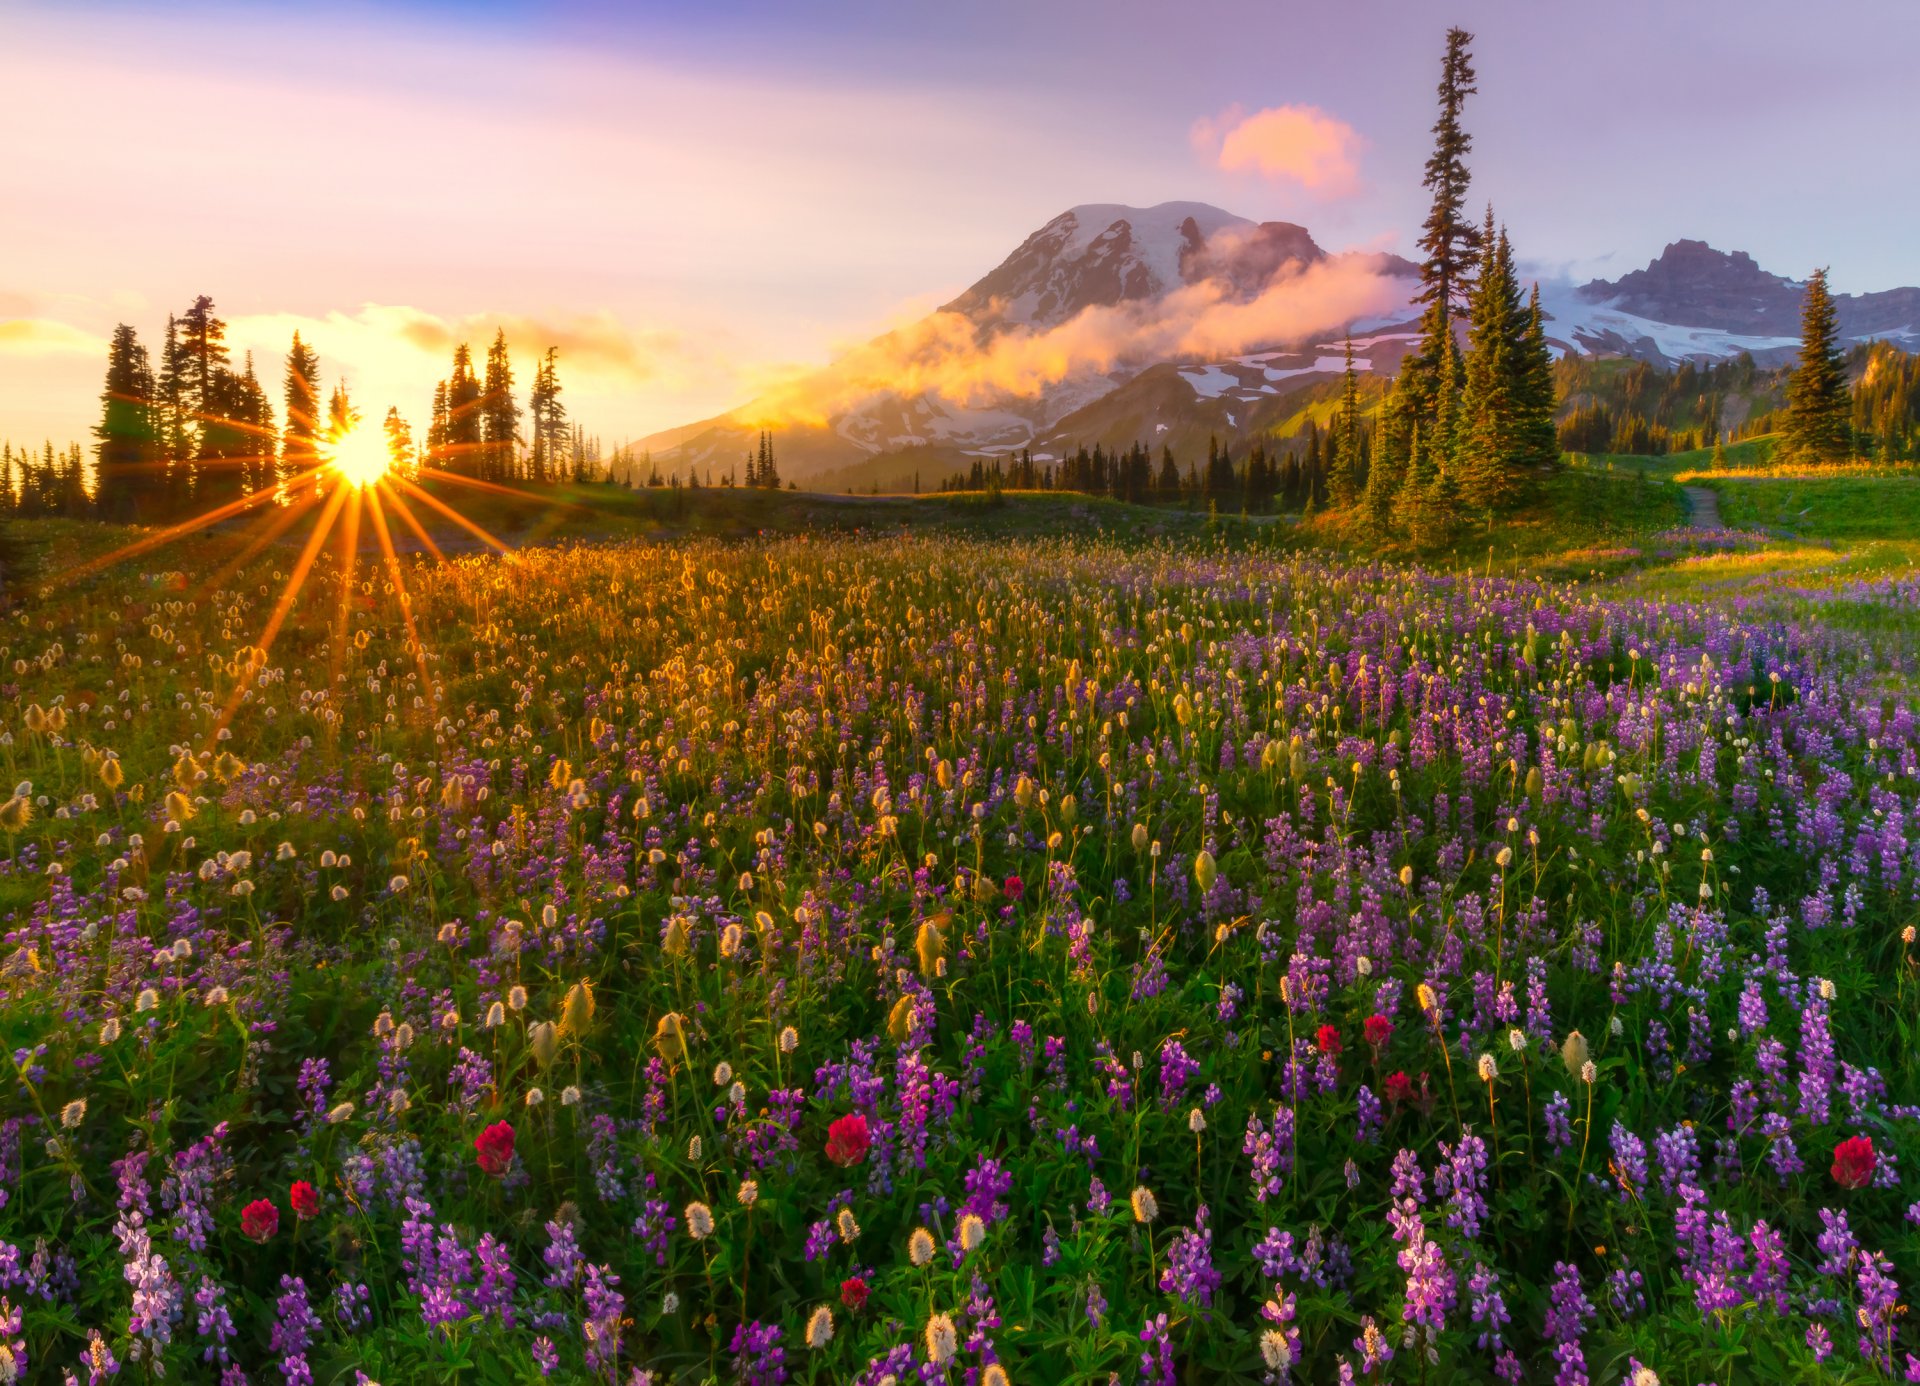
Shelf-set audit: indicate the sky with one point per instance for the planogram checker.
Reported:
(697, 201)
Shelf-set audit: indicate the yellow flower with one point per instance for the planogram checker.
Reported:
(920, 1246)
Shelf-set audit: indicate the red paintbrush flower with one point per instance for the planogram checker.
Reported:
(1399, 1087)
(1013, 887)
(305, 1200)
(1377, 1029)
(1328, 1038)
(848, 1139)
(853, 1293)
(1853, 1162)
(259, 1220)
(493, 1148)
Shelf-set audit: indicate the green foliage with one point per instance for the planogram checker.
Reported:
(1817, 426)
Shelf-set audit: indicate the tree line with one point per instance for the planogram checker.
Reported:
(196, 429)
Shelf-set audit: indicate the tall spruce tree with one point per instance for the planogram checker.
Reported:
(1343, 475)
(1818, 426)
(300, 401)
(127, 455)
(461, 448)
(500, 414)
(1415, 439)
(399, 437)
(213, 399)
(1488, 462)
(178, 439)
(1536, 443)
(547, 419)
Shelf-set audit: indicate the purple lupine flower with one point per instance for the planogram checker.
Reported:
(1463, 1178)
(1156, 1354)
(1488, 1308)
(1190, 1276)
(600, 1325)
(1879, 1304)
(294, 1327)
(758, 1358)
(1559, 1117)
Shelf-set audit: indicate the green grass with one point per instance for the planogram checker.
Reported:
(1749, 452)
(1841, 507)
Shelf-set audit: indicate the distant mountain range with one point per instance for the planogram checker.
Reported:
(1173, 323)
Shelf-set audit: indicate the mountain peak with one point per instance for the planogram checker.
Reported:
(1097, 254)
(1690, 282)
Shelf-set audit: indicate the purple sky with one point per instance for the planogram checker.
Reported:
(693, 200)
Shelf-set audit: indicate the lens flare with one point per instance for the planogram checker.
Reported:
(360, 456)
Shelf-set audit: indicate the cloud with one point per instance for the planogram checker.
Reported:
(1302, 145)
(942, 354)
(392, 354)
(46, 337)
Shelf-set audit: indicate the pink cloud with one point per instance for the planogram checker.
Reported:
(1298, 144)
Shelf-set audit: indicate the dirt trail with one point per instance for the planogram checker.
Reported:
(1703, 507)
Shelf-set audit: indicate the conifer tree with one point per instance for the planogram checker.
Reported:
(1536, 443)
(499, 414)
(462, 445)
(300, 400)
(547, 418)
(399, 442)
(1488, 459)
(1383, 477)
(1818, 425)
(437, 423)
(1430, 377)
(1343, 475)
(128, 451)
(218, 404)
(1167, 488)
(177, 439)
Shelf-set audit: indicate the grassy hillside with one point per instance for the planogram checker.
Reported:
(1862, 506)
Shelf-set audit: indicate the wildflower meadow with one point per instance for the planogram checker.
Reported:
(959, 960)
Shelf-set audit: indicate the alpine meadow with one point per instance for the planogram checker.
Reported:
(1210, 809)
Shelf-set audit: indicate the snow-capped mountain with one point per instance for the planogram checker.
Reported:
(1090, 303)
(1171, 323)
(1697, 302)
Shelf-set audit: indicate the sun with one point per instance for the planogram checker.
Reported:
(360, 456)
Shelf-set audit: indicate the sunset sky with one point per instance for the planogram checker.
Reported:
(694, 200)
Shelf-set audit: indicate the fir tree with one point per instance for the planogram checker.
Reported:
(300, 400)
(1430, 377)
(499, 414)
(399, 442)
(547, 418)
(1536, 400)
(1818, 427)
(1343, 475)
(463, 443)
(1488, 462)
(1167, 488)
(128, 451)
(1448, 240)
(1383, 477)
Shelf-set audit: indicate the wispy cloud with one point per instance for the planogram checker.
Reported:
(1301, 145)
(942, 354)
(46, 337)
